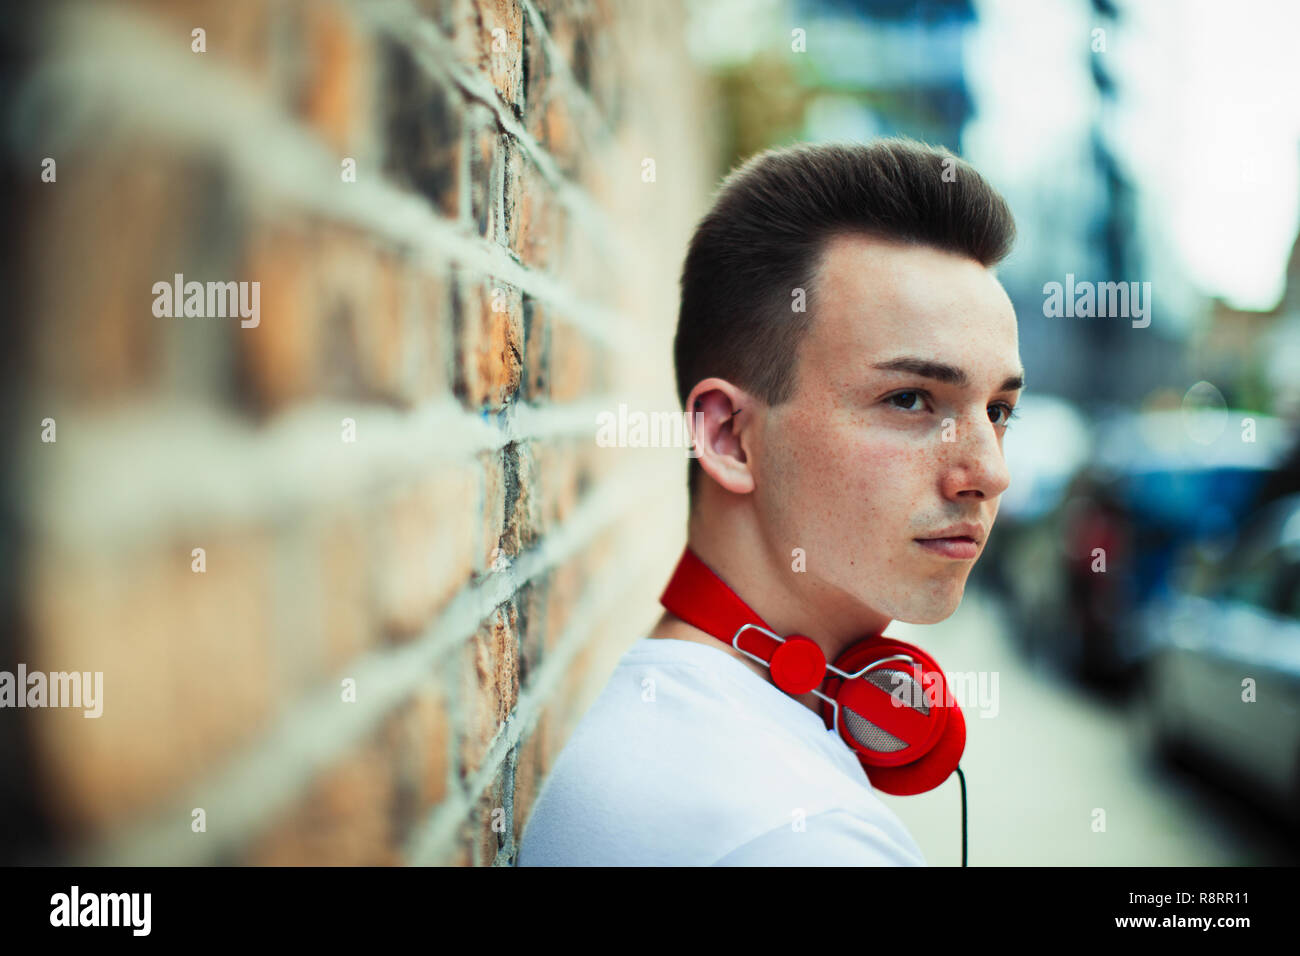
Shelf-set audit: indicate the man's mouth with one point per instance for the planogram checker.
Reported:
(959, 541)
(962, 548)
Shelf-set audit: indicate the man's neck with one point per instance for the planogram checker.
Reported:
(790, 603)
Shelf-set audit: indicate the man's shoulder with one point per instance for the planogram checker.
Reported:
(672, 765)
(630, 771)
(657, 720)
(835, 837)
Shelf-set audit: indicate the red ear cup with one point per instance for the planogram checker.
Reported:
(899, 718)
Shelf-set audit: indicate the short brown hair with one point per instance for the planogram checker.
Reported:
(765, 234)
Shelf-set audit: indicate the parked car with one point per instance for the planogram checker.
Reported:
(1044, 453)
(1150, 488)
(1221, 688)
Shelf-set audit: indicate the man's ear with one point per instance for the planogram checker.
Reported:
(721, 416)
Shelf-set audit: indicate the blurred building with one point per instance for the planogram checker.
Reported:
(885, 68)
(1053, 95)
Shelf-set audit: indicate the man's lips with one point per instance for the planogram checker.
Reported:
(962, 548)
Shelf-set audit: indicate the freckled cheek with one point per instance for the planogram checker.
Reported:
(892, 483)
(883, 460)
(810, 456)
(846, 464)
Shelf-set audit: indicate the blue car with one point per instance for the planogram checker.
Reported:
(1222, 682)
(1150, 490)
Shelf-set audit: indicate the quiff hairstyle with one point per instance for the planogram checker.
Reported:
(768, 228)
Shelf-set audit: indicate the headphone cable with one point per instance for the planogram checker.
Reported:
(962, 777)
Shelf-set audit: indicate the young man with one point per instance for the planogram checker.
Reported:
(853, 363)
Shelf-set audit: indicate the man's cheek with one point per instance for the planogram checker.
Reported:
(888, 458)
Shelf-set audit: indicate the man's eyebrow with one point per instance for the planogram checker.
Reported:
(943, 372)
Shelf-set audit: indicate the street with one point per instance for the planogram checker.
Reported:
(1056, 776)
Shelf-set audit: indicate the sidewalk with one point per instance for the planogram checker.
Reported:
(1050, 757)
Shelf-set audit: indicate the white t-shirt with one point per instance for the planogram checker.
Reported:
(689, 758)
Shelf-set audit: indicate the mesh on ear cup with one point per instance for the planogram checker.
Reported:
(900, 683)
(869, 735)
(891, 681)
(936, 763)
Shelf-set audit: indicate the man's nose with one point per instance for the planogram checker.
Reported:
(976, 466)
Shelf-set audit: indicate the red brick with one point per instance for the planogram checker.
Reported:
(452, 549)
(121, 216)
(462, 22)
(560, 138)
(540, 219)
(280, 356)
(505, 66)
(489, 841)
(490, 353)
(345, 819)
(423, 131)
(238, 33)
(332, 96)
(425, 548)
(187, 669)
(608, 81)
(431, 736)
(356, 324)
(538, 75)
(546, 750)
(532, 600)
(404, 562)
(574, 364)
(421, 757)
(431, 341)
(492, 510)
(463, 855)
(491, 687)
(523, 523)
(385, 356)
(348, 609)
(528, 776)
(535, 382)
(564, 590)
(557, 481)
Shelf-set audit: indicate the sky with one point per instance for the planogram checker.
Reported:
(1207, 122)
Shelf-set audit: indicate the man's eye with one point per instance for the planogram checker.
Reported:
(904, 400)
(1008, 413)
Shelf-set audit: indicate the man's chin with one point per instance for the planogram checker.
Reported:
(932, 612)
(923, 618)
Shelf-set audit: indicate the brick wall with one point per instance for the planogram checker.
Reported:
(417, 565)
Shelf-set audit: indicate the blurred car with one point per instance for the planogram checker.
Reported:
(1222, 681)
(1044, 453)
(1154, 482)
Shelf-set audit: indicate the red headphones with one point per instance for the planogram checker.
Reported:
(888, 700)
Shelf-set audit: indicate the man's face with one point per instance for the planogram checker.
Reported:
(866, 459)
